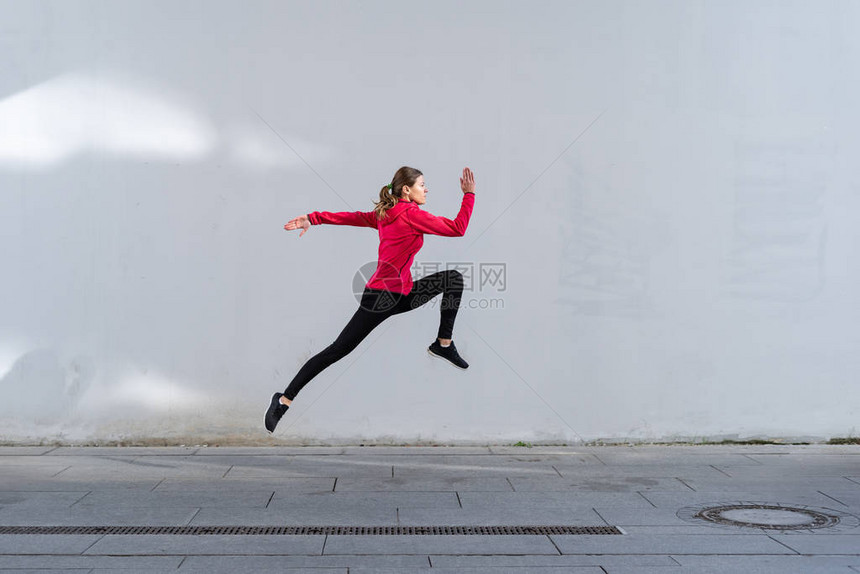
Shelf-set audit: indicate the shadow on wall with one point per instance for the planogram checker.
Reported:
(39, 387)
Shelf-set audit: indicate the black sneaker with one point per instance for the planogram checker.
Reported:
(448, 353)
(275, 412)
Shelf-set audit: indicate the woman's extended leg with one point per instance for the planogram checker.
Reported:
(361, 324)
(376, 305)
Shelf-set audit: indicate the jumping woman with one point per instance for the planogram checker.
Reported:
(390, 290)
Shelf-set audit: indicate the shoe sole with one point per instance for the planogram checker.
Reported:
(432, 354)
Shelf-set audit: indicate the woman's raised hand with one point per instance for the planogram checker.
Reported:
(467, 182)
(301, 222)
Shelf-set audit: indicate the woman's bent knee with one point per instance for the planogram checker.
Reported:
(453, 279)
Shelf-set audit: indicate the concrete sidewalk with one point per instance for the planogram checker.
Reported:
(651, 493)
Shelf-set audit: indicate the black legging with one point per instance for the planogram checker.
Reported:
(376, 306)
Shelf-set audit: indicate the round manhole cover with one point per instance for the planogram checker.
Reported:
(769, 516)
(764, 516)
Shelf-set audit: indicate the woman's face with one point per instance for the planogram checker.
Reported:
(418, 192)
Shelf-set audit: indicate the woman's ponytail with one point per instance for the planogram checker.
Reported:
(386, 202)
(387, 197)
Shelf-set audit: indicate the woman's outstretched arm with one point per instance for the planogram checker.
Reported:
(436, 225)
(355, 218)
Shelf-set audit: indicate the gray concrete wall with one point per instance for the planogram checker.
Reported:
(667, 184)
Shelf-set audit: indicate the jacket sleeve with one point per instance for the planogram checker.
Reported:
(436, 225)
(356, 218)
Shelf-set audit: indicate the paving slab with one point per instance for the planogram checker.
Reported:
(139, 468)
(766, 564)
(18, 471)
(810, 462)
(417, 451)
(604, 483)
(283, 498)
(45, 544)
(703, 529)
(417, 470)
(250, 569)
(61, 485)
(230, 564)
(23, 499)
(800, 496)
(534, 561)
(848, 544)
(552, 499)
(726, 459)
(123, 451)
(63, 461)
(773, 479)
(848, 498)
(486, 570)
(25, 450)
(239, 569)
(306, 514)
(439, 484)
(582, 453)
(648, 516)
(490, 460)
(677, 544)
(499, 515)
(271, 451)
(684, 471)
(439, 545)
(164, 498)
(97, 516)
(651, 450)
(800, 472)
(209, 544)
(303, 466)
(41, 562)
(750, 568)
(286, 484)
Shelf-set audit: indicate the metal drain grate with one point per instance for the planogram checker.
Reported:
(314, 530)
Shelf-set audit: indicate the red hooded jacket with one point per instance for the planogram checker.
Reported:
(401, 236)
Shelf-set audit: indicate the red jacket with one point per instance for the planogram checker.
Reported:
(401, 236)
